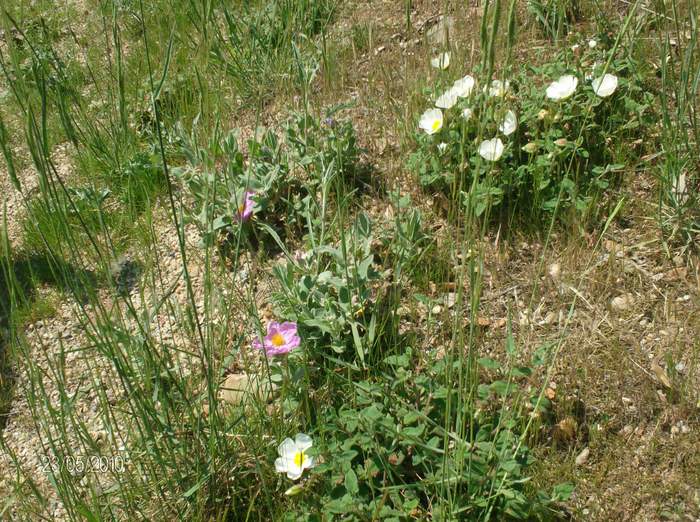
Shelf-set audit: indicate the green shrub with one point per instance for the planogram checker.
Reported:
(561, 154)
(405, 440)
(283, 177)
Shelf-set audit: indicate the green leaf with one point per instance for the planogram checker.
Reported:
(489, 363)
(351, 482)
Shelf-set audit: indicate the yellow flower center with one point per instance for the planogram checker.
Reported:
(278, 340)
(299, 458)
(436, 125)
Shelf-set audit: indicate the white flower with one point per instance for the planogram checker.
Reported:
(467, 113)
(510, 123)
(491, 150)
(447, 100)
(562, 88)
(431, 121)
(592, 43)
(441, 61)
(293, 459)
(442, 147)
(605, 85)
(575, 47)
(464, 86)
(498, 88)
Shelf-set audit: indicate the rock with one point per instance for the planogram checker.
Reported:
(622, 302)
(583, 457)
(554, 270)
(239, 387)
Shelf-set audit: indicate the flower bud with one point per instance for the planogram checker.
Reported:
(561, 142)
(294, 490)
(542, 114)
(531, 147)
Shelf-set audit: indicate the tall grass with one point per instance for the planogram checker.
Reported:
(679, 170)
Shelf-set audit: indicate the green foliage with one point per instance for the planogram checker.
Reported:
(285, 176)
(563, 153)
(331, 293)
(409, 436)
(554, 17)
(679, 170)
(257, 50)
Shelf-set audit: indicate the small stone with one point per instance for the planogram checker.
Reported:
(583, 457)
(554, 270)
(622, 302)
(436, 309)
(240, 386)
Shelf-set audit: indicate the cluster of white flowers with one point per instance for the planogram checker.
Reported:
(432, 120)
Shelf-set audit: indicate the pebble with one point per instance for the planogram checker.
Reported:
(622, 302)
(582, 457)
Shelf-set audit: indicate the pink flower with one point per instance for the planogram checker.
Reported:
(245, 209)
(281, 338)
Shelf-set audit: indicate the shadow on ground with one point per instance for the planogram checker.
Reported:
(19, 280)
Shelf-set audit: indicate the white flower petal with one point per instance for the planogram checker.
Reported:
(441, 61)
(498, 88)
(294, 474)
(562, 88)
(447, 100)
(287, 449)
(303, 442)
(467, 113)
(510, 123)
(491, 150)
(431, 121)
(605, 85)
(281, 465)
(464, 86)
(592, 43)
(308, 462)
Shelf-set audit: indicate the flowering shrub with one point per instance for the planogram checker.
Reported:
(329, 292)
(533, 144)
(272, 181)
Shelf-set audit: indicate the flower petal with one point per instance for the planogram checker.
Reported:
(303, 441)
(605, 85)
(294, 474)
(491, 150)
(281, 465)
(287, 449)
(309, 462)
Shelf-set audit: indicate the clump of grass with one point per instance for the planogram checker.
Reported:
(680, 88)
(257, 47)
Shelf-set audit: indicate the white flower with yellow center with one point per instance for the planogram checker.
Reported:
(605, 85)
(441, 61)
(509, 124)
(491, 150)
(562, 88)
(293, 458)
(431, 121)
